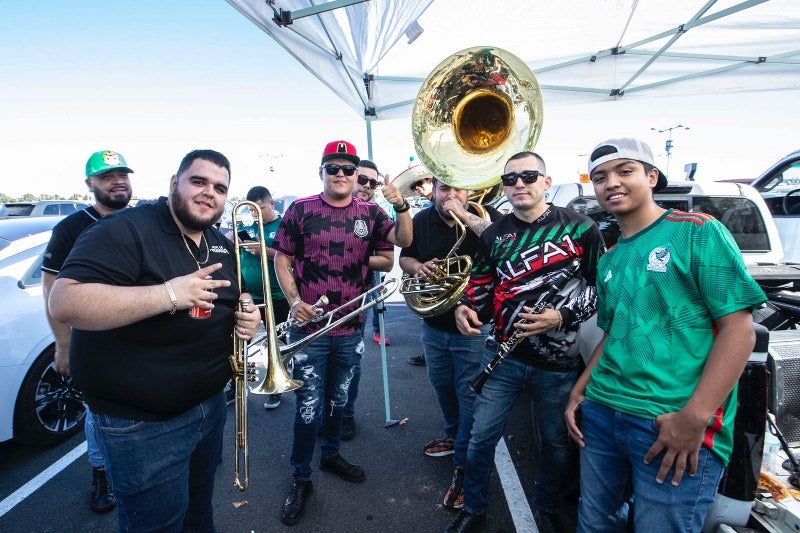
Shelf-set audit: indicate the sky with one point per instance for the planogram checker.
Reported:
(156, 79)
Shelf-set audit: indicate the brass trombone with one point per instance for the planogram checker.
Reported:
(274, 354)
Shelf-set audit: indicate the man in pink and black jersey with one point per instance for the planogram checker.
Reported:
(657, 398)
(324, 245)
(519, 258)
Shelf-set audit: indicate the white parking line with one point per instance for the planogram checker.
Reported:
(31, 486)
(521, 512)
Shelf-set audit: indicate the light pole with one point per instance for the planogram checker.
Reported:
(668, 144)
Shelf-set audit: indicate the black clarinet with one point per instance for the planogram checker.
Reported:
(557, 282)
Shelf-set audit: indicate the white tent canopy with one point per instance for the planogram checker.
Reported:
(373, 56)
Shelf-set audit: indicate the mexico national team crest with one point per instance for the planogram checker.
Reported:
(658, 259)
(360, 229)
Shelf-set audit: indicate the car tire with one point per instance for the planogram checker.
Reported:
(49, 408)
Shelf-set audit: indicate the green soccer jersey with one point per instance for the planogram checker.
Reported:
(251, 264)
(658, 295)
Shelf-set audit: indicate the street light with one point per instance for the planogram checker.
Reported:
(668, 144)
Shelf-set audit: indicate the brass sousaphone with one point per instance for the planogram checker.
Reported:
(474, 111)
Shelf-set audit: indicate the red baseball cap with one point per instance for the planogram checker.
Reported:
(340, 149)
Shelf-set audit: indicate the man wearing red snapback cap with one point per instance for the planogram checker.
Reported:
(323, 247)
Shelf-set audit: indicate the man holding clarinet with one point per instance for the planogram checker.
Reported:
(540, 258)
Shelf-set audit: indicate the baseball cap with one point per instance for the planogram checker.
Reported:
(340, 149)
(103, 161)
(626, 148)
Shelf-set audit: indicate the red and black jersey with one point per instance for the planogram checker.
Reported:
(516, 260)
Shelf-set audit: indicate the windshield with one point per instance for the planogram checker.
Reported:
(16, 210)
(783, 182)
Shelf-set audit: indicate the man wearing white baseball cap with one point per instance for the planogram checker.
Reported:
(657, 397)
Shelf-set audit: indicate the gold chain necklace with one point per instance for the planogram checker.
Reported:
(208, 251)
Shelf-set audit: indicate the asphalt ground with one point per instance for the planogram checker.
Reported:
(403, 490)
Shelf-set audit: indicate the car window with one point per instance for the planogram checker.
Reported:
(50, 210)
(67, 209)
(783, 182)
(33, 276)
(740, 215)
(19, 210)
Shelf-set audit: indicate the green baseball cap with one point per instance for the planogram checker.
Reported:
(103, 161)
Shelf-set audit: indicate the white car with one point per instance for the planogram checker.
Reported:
(37, 404)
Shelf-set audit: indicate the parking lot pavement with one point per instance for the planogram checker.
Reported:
(403, 491)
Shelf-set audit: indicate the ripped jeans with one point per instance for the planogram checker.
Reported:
(326, 367)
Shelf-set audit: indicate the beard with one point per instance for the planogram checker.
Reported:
(180, 206)
(114, 201)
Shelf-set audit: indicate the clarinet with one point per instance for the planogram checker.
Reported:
(558, 282)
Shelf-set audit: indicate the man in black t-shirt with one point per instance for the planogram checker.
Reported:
(107, 176)
(154, 376)
(451, 358)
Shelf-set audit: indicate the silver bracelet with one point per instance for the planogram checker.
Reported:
(172, 297)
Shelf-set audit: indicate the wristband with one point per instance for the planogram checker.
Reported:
(172, 297)
(403, 208)
(295, 304)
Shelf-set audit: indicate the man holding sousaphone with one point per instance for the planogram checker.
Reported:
(323, 246)
(439, 258)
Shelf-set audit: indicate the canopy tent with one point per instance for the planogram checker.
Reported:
(375, 54)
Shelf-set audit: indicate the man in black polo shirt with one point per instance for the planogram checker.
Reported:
(151, 371)
(452, 359)
(107, 176)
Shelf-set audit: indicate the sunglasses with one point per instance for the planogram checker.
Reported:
(417, 184)
(363, 180)
(528, 176)
(332, 169)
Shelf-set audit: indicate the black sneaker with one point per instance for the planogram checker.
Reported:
(348, 427)
(339, 466)
(454, 499)
(272, 401)
(440, 447)
(101, 498)
(548, 522)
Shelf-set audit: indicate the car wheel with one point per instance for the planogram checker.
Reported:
(49, 408)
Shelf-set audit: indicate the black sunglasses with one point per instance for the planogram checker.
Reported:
(528, 176)
(333, 169)
(363, 180)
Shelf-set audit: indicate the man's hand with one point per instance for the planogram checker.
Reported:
(456, 207)
(392, 195)
(467, 321)
(424, 269)
(197, 289)
(247, 321)
(547, 320)
(679, 437)
(61, 359)
(571, 414)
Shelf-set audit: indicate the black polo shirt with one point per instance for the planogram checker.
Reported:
(65, 233)
(159, 367)
(434, 238)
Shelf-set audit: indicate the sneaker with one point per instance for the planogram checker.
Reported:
(454, 499)
(230, 393)
(440, 447)
(417, 360)
(101, 498)
(547, 522)
(272, 401)
(465, 522)
(377, 338)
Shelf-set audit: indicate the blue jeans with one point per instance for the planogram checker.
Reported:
(96, 459)
(452, 360)
(615, 447)
(162, 473)
(326, 368)
(550, 391)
